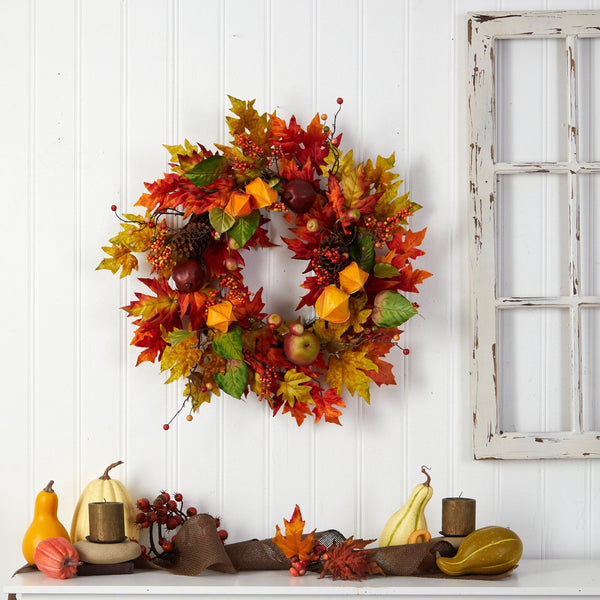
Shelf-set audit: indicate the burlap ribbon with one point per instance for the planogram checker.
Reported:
(198, 547)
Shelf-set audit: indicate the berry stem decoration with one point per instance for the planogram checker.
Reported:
(163, 516)
(348, 222)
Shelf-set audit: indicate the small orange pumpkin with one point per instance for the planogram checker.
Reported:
(56, 557)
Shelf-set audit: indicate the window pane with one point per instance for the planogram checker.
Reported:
(534, 380)
(531, 100)
(589, 193)
(588, 56)
(532, 235)
(590, 350)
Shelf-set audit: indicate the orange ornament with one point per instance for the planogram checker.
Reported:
(332, 305)
(239, 204)
(220, 315)
(352, 278)
(262, 193)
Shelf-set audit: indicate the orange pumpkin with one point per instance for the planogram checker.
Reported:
(56, 557)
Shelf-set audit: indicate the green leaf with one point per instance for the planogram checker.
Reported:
(234, 380)
(385, 270)
(229, 345)
(363, 252)
(245, 227)
(220, 220)
(207, 171)
(391, 309)
(176, 336)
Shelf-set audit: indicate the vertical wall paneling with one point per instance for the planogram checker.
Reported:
(337, 54)
(146, 123)
(102, 347)
(96, 88)
(17, 62)
(56, 279)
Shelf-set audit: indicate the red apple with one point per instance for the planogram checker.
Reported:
(274, 321)
(313, 225)
(298, 195)
(353, 215)
(296, 328)
(301, 349)
(231, 263)
(188, 275)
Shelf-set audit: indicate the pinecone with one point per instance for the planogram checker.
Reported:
(333, 255)
(192, 240)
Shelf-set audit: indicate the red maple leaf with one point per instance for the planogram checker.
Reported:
(149, 336)
(349, 560)
(335, 196)
(315, 146)
(405, 243)
(193, 305)
(250, 311)
(375, 350)
(324, 405)
(299, 411)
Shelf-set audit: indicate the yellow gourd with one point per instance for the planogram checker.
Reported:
(99, 490)
(486, 551)
(45, 522)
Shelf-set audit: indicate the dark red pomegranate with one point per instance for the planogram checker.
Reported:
(188, 275)
(298, 195)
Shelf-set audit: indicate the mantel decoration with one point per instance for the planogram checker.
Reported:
(348, 222)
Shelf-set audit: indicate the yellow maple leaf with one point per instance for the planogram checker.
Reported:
(193, 391)
(121, 258)
(354, 185)
(181, 358)
(176, 151)
(329, 332)
(380, 174)
(135, 234)
(345, 164)
(358, 314)
(293, 388)
(348, 369)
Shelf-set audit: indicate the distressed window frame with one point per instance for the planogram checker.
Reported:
(483, 29)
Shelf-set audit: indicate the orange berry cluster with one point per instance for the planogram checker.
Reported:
(159, 251)
(383, 230)
(250, 148)
(238, 292)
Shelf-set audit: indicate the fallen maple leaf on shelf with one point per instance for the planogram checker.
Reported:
(349, 560)
(293, 543)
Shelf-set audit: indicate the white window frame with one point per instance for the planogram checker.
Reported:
(483, 31)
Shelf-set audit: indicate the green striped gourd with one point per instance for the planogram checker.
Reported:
(410, 517)
(486, 551)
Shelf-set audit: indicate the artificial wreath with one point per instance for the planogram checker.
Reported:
(348, 221)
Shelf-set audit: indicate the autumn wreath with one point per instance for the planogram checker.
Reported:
(348, 222)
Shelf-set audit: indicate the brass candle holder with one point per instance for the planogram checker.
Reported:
(107, 522)
(458, 516)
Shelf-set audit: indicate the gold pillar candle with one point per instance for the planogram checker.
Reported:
(458, 516)
(107, 522)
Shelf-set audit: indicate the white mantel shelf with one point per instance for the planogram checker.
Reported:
(533, 578)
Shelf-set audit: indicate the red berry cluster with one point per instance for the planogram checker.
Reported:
(165, 511)
(298, 567)
(250, 148)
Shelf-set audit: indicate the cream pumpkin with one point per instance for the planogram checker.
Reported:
(103, 489)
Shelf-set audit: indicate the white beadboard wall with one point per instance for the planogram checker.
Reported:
(90, 92)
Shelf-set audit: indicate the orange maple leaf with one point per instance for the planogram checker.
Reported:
(293, 543)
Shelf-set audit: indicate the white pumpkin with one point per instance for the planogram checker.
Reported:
(99, 490)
